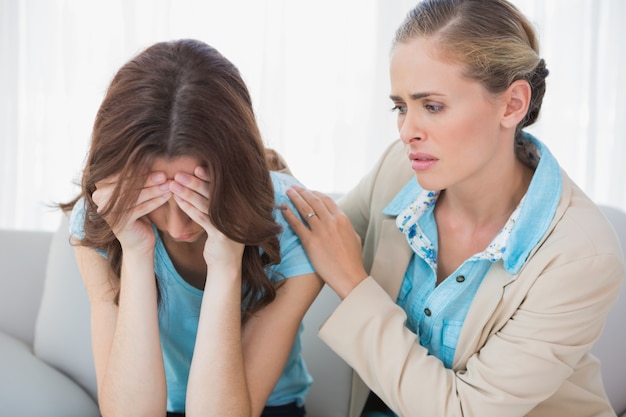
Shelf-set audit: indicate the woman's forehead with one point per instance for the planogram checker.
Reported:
(416, 68)
(170, 166)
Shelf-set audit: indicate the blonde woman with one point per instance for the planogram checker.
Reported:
(479, 275)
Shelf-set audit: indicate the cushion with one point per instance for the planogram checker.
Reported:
(63, 330)
(30, 387)
(23, 264)
(611, 346)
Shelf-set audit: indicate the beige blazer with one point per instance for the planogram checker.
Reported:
(524, 347)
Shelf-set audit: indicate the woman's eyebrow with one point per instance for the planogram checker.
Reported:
(415, 96)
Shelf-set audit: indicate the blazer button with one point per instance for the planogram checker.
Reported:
(427, 312)
(460, 278)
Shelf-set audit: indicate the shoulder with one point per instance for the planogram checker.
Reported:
(581, 235)
(282, 182)
(77, 224)
(77, 220)
(584, 220)
(294, 260)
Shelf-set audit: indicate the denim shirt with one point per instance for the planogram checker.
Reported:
(436, 313)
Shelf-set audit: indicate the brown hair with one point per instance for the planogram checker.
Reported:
(492, 38)
(183, 98)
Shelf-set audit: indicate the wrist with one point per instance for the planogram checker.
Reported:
(221, 277)
(138, 252)
(344, 287)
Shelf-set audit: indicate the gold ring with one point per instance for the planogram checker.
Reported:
(311, 214)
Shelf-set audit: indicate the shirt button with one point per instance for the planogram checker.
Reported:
(460, 278)
(427, 312)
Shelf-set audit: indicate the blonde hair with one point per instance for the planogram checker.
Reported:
(495, 42)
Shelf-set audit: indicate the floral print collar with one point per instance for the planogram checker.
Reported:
(408, 223)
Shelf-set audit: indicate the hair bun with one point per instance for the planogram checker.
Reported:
(537, 81)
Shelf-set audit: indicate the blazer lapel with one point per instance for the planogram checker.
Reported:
(392, 258)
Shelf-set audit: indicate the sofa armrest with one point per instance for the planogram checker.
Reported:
(63, 327)
(31, 387)
(23, 256)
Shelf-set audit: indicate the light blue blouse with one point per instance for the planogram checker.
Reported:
(180, 310)
(437, 313)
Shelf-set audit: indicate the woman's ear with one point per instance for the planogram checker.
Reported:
(517, 98)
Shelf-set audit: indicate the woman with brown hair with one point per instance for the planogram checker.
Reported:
(197, 284)
(480, 275)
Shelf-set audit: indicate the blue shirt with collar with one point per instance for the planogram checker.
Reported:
(437, 313)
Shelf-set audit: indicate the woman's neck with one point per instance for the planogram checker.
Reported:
(488, 201)
(188, 259)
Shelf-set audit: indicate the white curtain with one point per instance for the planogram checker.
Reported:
(317, 72)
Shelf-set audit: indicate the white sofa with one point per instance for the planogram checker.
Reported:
(46, 369)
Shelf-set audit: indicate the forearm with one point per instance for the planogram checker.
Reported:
(134, 381)
(217, 382)
(367, 330)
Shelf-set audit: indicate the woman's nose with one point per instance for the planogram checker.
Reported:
(177, 221)
(410, 128)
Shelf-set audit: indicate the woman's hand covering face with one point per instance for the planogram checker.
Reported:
(191, 193)
(134, 230)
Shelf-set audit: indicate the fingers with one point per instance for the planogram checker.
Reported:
(201, 173)
(104, 189)
(154, 193)
(151, 198)
(308, 202)
(296, 224)
(191, 192)
(297, 197)
(315, 209)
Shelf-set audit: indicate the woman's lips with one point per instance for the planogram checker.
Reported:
(421, 161)
(188, 237)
